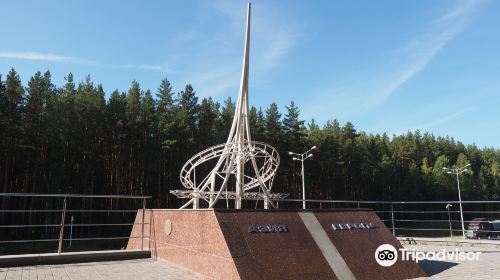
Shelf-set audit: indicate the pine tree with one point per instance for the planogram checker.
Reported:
(148, 142)
(134, 104)
(14, 92)
(3, 116)
(209, 114)
(165, 114)
(226, 119)
(74, 139)
(36, 132)
(293, 127)
(117, 151)
(187, 114)
(274, 128)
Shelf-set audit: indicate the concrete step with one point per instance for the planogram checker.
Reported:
(72, 257)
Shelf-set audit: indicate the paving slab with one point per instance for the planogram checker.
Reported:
(111, 270)
(486, 267)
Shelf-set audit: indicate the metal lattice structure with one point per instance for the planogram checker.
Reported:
(239, 166)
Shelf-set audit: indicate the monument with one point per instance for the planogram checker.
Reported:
(265, 243)
(249, 164)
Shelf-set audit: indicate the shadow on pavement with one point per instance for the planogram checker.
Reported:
(435, 267)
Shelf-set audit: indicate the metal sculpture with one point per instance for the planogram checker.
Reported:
(241, 165)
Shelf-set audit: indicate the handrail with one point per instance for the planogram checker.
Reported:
(77, 195)
(65, 210)
(74, 225)
(386, 202)
(420, 218)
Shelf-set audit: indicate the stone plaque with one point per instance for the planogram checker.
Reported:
(168, 227)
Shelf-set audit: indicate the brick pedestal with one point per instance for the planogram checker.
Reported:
(270, 244)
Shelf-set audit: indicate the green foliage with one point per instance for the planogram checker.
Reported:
(226, 119)
(207, 130)
(274, 129)
(293, 127)
(73, 140)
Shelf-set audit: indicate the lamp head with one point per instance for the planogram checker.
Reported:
(313, 148)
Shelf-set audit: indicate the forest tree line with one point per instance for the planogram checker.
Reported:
(78, 139)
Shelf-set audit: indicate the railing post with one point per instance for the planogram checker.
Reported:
(392, 219)
(61, 229)
(142, 229)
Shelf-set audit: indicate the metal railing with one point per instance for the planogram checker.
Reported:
(416, 218)
(403, 218)
(12, 201)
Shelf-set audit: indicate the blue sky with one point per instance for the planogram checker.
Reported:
(386, 66)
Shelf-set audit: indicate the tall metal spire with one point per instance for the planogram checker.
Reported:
(240, 129)
(241, 164)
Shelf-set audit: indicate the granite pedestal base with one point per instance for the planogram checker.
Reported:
(271, 244)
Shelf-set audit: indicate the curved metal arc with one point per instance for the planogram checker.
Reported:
(227, 154)
(218, 150)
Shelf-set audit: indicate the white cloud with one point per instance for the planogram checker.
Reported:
(439, 121)
(218, 67)
(152, 67)
(409, 61)
(210, 59)
(278, 46)
(38, 56)
(216, 81)
(43, 57)
(423, 49)
(466, 7)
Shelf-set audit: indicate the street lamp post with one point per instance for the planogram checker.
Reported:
(302, 157)
(458, 171)
(448, 206)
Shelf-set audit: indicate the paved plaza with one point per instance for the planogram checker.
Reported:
(488, 267)
(114, 270)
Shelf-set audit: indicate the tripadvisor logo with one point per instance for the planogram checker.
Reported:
(387, 255)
